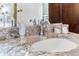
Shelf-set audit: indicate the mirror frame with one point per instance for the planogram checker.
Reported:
(15, 14)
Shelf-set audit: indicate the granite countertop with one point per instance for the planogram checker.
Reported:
(12, 47)
(75, 52)
(71, 36)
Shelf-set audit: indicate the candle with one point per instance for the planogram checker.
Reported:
(57, 27)
(65, 28)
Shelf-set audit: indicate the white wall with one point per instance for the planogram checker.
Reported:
(30, 11)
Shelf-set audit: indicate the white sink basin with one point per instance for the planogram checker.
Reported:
(54, 45)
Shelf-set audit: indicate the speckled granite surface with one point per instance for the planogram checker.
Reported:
(75, 52)
(14, 48)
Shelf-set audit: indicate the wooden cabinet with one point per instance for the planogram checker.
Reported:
(69, 12)
(54, 13)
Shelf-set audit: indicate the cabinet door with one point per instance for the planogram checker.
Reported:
(71, 16)
(54, 12)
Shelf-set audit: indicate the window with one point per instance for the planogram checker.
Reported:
(45, 11)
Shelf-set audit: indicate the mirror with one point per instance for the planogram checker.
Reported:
(8, 15)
